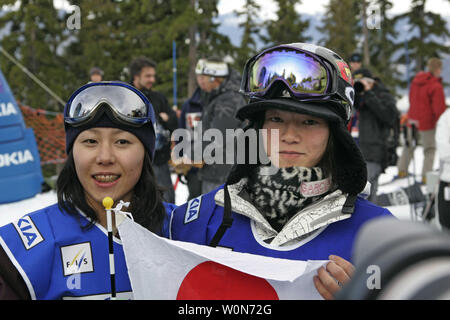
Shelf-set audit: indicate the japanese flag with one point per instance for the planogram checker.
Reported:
(165, 269)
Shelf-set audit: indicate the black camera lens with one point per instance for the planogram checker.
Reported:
(358, 86)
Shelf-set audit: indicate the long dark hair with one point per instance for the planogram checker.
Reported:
(327, 162)
(146, 204)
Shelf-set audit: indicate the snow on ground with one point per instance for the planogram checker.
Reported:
(405, 212)
(12, 211)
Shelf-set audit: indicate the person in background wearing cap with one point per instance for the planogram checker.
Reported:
(62, 251)
(308, 202)
(377, 112)
(95, 75)
(220, 99)
(355, 62)
(143, 77)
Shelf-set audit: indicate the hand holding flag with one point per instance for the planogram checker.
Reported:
(165, 269)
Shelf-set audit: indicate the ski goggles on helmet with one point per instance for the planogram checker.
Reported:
(307, 76)
(128, 105)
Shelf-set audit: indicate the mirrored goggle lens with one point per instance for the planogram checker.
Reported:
(124, 102)
(301, 72)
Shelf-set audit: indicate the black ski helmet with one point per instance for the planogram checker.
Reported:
(339, 93)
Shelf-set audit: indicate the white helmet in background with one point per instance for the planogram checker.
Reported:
(212, 67)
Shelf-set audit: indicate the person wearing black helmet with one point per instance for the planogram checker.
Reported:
(61, 251)
(308, 202)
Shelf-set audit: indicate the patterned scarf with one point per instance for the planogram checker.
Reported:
(278, 196)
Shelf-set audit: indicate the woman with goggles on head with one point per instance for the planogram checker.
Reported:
(62, 251)
(309, 207)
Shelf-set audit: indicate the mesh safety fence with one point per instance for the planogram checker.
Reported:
(49, 132)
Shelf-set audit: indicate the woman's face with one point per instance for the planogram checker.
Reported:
(108, 162)
(302, 139)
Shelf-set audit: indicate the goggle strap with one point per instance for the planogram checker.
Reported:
(112, 111)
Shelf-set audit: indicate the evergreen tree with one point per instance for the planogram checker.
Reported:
(98, 42)
(114, 33)
(203, 39)
(187, 43)
(382, 45)
(211, 41)
(288, 27)
(34, 38)
(251, 27)
(428, 34)
(340, 26)
(111, 34)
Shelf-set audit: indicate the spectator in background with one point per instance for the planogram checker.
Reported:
(95, 75)
(355, 62)
(426, 104)
(190, 117)
(143, 77)
(377, 112)
(220, 99)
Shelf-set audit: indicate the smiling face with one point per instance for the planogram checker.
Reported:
(108, 162)
(302, 139)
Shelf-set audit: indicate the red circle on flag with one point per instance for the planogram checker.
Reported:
(213, 281)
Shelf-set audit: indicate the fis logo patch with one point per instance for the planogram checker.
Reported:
(77, 258)
(28, 232)
(193, 208)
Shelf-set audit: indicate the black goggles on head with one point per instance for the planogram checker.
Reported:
(307, 76)
(128, 105)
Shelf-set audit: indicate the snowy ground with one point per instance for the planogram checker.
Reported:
(12, 211)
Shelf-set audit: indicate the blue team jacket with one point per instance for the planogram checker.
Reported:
(198, 220)
(58, 259)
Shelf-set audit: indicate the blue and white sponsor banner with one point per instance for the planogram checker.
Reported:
(20, 170)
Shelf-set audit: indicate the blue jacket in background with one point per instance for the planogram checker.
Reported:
(192, 105)
(190, 110)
